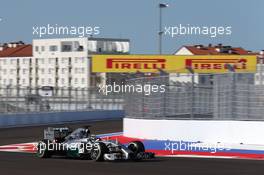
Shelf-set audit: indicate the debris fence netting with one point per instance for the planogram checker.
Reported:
(229, 96)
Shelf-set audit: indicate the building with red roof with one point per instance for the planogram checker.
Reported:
(212, 50)
(219, 49)
(18, 49)
(16, 64)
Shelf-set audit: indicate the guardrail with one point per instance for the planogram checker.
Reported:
(31, 119)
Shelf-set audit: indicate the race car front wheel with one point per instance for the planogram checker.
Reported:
(98, 151)
(43, 151)
(136, 147)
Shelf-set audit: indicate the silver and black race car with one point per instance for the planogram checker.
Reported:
(82, 144)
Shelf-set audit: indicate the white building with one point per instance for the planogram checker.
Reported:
(67, 62)
(57, 63)
(62, 62)
(16, 62)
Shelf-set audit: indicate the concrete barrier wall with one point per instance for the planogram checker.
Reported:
(16, 120)
(207, 131)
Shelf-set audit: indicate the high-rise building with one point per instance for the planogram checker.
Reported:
(58, 63)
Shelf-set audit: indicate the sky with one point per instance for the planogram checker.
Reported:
(138, 20)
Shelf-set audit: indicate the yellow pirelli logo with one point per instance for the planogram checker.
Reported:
(173, 63)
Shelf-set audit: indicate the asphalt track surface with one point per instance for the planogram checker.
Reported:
(28, 164)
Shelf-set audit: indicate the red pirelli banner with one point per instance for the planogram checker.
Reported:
(173, 63)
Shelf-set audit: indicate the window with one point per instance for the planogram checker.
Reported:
(53, 48)
(36, 48)
(83, 80)
(4, 71)
(77, 46)
(13, 61)
(42, 70)
(63, 70)
(42, 80)
(76, 80)
(12, 71)
(50, 80)
(25, 61)
(77, 60)
(24, 71)
(79, 70)
(40, 60)
(42, 48)
(23, 80)
(10, 81)
(66, 46)
(62, 81)
(4, 81)
(4, 62)
(50, 70)
(63, 60)
(51, 60)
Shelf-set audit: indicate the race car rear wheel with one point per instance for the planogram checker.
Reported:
(98, 151)
(136, 147)
(43, 151)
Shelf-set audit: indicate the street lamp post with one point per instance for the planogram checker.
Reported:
(191, 70)
(161, 6)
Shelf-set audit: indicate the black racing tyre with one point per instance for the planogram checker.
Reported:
(136, 147)
(98, 151)
(43, 152)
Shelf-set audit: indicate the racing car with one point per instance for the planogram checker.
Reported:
(82, 144)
